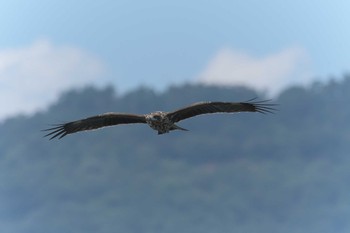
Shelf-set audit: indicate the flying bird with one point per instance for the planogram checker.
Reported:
(163, 122)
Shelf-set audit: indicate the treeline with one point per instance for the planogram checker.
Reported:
(282, 172)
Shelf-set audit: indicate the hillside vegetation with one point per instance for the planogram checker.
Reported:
(248, 172)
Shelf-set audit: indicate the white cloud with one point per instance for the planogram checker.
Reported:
(31, 77)
(271, 73)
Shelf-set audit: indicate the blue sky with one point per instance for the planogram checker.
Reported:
(50, 46)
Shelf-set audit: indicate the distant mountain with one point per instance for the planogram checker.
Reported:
(286, 172)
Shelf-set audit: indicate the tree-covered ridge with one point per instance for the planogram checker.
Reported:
(286, 172)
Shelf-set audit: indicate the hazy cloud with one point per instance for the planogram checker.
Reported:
(271, 73)
(33, 76)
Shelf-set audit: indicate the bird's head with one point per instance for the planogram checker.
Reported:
(156, 117)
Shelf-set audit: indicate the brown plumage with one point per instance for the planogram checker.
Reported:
(163, 122)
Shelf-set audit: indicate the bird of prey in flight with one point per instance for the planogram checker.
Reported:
(163, 122)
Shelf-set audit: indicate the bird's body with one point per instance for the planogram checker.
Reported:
(160, 122)
(163, 122)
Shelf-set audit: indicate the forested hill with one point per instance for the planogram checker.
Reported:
(247, 172)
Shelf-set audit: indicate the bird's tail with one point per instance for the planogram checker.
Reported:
(178, 127)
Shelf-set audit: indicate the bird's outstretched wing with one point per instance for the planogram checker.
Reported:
(221, 107)
(95, 122)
